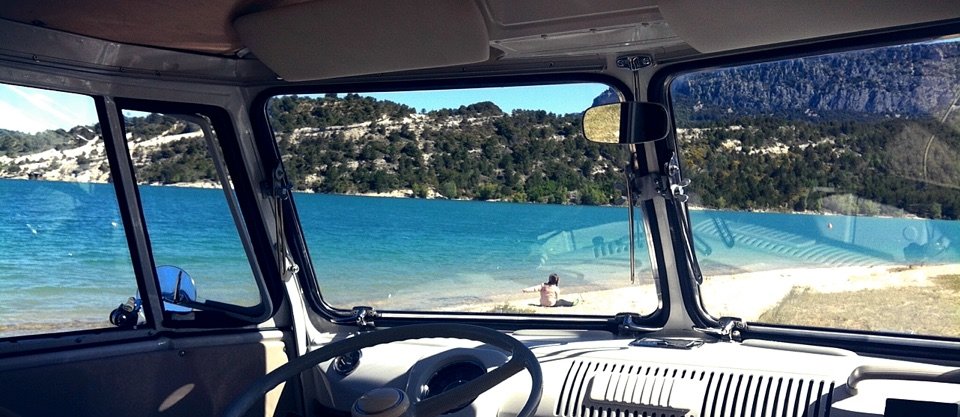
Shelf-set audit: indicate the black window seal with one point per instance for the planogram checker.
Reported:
(882, 344)
(229, 141)
(934, 347)
(269, 150)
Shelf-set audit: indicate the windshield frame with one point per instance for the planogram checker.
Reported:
(872, 342)
(294, 232)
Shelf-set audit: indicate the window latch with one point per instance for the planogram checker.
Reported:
(675, 183)
(362, 316)
(729, 330)
(277, 186)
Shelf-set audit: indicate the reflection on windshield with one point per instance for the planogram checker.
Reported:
(827, 188)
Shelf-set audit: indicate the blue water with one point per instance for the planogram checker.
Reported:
(406, 253)
(63, 248)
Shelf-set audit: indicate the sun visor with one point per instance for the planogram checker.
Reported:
(336, 38)
(712, 26)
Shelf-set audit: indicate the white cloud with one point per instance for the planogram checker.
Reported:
(33, 110)
(14, 118)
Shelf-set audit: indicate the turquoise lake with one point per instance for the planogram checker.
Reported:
(63, 247)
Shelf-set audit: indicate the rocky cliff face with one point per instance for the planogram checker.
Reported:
(906, 81)
(79, 154)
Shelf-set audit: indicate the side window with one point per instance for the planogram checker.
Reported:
(188, 214)
(64, 260)
(463, 200)
(827, 188)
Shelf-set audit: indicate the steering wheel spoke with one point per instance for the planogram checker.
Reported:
(439, 404)
(521, 358)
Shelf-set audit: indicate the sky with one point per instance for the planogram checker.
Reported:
(560, 99)
(34, 110)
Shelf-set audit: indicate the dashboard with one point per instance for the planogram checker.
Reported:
(592, 374)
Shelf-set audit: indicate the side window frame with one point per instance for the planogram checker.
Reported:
(265, 273)
(864, 342)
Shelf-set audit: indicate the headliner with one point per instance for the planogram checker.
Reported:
(668, 30)
(205, 27)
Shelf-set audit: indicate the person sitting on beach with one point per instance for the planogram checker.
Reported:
(549, 291)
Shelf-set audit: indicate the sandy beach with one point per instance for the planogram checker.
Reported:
(631, 298)
(744, 295)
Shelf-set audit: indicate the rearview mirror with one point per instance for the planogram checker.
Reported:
(626, 123)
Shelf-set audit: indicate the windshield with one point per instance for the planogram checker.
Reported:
(470, 200)
(826, 190)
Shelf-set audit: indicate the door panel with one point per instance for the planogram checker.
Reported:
(197, 376)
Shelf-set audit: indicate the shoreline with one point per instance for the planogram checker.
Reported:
(433, 195)
(746, 295)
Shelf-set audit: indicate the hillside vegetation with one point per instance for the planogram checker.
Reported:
(871, 132)
(474, 152)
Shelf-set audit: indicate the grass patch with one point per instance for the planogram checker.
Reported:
(948, 282)
(929, 310)
(507, 308)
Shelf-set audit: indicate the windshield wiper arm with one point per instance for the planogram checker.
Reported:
(671, 186)
(676, 187)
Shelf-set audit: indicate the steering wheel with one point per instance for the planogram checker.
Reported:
(521, 358)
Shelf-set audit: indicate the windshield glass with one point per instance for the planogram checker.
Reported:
(826, 190)
(463, 200)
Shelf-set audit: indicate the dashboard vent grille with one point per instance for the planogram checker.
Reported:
(612, 389)
(607, 389)
(736, 395)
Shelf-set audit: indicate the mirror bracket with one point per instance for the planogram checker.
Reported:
(634, 62)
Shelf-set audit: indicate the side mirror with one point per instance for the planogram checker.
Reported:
(626, 123)
(176, 286)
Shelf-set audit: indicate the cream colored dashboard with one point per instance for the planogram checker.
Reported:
(591, 374)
